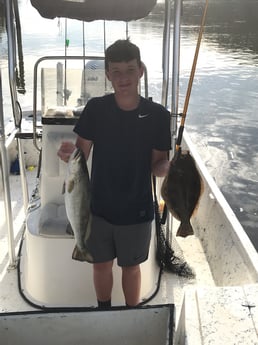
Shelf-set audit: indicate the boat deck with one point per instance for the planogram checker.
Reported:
(171, 286)
(8, 275)
(199, 302)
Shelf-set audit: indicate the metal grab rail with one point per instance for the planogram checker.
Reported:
(63, 57)
(17, 114)
(166, 53)
(10, 6)
(175, 73)
(175, 77)
(175, 63)
(6, 183)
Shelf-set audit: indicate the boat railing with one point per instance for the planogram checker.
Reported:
(6, 183)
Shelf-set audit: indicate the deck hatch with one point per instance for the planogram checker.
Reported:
(150, 325)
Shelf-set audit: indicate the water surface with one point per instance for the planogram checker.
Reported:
(222, 115)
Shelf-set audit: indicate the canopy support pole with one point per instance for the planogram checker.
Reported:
(175, 72)
(166, 53)
(10, 28)
(6, 184)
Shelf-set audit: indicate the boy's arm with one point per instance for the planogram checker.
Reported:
(67, 148)
(160, 163)
(85, 145)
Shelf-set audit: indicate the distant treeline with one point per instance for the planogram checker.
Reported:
(219, 12)
(232, 23)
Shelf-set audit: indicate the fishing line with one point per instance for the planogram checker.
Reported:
(83, 87)
(105, 47)
(168, 259)
(67, 42)
(190, 83)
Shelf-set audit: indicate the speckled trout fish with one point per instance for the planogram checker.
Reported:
(77, 203)
(181, 190)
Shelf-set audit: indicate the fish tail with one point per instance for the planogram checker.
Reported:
(69, 229)
(88, 231)
(185, 229)
(81, 255)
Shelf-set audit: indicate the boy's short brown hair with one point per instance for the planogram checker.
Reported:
(122, 51)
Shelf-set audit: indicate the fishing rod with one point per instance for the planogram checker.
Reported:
(190, 84)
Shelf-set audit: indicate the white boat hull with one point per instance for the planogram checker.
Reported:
(216, 307)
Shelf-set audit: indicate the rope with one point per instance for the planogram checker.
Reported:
(190, 83)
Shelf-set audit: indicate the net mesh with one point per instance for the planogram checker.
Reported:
(169, 255)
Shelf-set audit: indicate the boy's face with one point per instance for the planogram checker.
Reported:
(124, 76)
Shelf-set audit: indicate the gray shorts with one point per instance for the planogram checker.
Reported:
(128, 243)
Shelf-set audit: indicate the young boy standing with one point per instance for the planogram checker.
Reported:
(130, 137)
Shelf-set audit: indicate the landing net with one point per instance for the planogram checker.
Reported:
(169, 255)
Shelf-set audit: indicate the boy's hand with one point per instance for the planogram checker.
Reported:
(65, 150)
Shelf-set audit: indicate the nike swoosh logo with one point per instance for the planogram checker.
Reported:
(141, 116)
(136, 258)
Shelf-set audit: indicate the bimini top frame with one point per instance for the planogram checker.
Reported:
(100, 9)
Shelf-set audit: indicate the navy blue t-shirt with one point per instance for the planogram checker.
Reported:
(122, 151)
